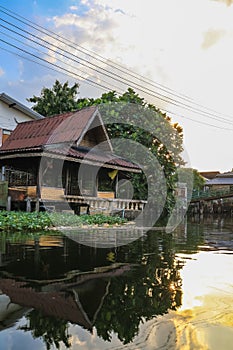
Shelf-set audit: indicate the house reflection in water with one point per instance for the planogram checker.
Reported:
(74, 304)
(109, 291)
(10, 312)
(73, 296)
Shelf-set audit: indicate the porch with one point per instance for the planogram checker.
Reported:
(17, 198)
(22, 194)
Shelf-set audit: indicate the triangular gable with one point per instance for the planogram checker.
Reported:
(95, 134)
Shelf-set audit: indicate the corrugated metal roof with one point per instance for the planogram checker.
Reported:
(220, 181)
(95, 156)
(66, 127)
(227, 174)
(72, 153)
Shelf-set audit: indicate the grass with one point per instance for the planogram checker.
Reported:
(34, 221)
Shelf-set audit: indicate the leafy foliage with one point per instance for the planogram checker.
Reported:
(192, 178)
(19, 221)
(59, 99)
(143, 123)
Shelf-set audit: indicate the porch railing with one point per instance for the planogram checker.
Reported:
(108, 204)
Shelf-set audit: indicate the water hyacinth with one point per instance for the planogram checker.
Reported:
(36, 221)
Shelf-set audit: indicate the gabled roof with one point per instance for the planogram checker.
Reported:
(11, 102)
(64, 128)
(60, 137)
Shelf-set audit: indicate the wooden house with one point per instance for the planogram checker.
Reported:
(65, 161)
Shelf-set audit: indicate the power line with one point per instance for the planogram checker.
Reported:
(93, 84)
(45, 53)
(124, 81)
(110, 63)
(147, 91)
(60, 70)
(55, 65)
(94, 55)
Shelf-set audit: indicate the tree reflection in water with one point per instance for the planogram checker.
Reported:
(150, 288)
(49, 328)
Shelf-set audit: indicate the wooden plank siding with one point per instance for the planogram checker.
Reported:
(47, 193)
(52, 193)
(105, 194)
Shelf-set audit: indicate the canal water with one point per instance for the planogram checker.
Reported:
(161, 291)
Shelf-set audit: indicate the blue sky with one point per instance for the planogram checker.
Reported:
(186, 46)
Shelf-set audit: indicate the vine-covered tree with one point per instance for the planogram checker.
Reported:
(129, 116)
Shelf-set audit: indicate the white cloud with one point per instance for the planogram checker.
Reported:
(73, 8)
(160, 39)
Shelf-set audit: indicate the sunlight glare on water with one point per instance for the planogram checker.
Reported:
(205, 319)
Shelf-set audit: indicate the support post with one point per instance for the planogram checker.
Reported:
(28, 205)
(3, 174)
(37, 204)
(38, 184)
(8, 206)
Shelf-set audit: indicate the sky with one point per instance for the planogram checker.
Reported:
(181, 49)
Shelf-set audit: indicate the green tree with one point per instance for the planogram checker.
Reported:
(193, 179)
(136, 126)
(59, 99)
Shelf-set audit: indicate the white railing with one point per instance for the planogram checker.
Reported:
(108, 204)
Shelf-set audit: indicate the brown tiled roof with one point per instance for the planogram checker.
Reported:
(66, 127)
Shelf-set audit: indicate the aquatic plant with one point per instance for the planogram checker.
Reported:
(37, 221)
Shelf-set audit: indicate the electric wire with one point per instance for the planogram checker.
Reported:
(59, 70)
(103, 60)
(57, 59)
(55, 65)
(147, 91)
